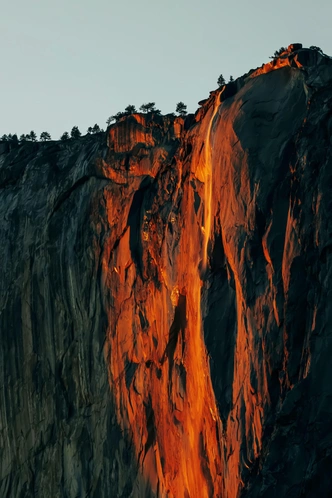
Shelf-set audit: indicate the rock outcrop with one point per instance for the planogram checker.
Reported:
(165, 323)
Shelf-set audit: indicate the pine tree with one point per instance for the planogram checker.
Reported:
(110, 120)
(64, 136)
(221, 81)
(149, 107)
(32, 137)
(44, 136)
(96, 129)
(181, 109)
(75, 132)
(130, 109)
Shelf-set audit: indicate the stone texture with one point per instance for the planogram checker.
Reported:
(164, 308)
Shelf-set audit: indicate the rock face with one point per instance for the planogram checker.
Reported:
(165, 315)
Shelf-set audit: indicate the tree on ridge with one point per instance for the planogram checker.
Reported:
(181, 109)
(96, 129)
(149, 107)
(75, 132)
(130, 109)
(44, 136)
(221, 81)
(64, 136)
(278, 52)
(32, 137)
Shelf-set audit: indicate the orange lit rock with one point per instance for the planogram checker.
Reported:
(165, 313)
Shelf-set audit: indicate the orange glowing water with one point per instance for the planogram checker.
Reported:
(208, 185)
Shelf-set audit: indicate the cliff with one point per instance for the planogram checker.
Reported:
(165, 322)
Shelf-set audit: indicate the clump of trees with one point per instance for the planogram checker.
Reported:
(13, 139)
(75, 132)
(29, 137)
(221, 80)
(130, 109)
(150, 107)
(181, 109)
(94, 129)
(45, 136)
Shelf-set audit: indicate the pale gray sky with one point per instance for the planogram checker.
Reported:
(74, 62)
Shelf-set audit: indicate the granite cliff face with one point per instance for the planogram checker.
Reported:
(165, 315)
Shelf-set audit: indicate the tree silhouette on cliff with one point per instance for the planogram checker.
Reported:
(130, 109)
(277, 53)
(44, 136)
(64, 136)
(149, 107)
(32, 137)
(221, 81)
(75, 132)
(181, 109)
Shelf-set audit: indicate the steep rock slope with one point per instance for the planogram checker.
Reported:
(164, 315)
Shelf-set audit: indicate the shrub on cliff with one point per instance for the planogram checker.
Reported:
(44, 136)
(75, 132)
(221, 81)
(130, 109)
(231, 79)
(181, 109)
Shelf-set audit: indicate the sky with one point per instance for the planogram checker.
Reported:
(75, 63)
